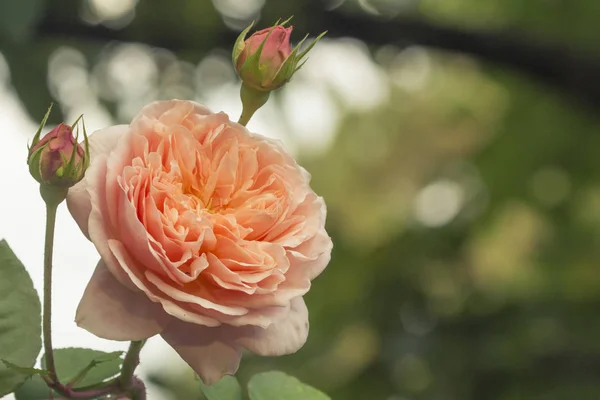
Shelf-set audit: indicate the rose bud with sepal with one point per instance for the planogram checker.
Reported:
(57, 159)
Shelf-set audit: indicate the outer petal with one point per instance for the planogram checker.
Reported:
(78, 200)
(170, 110)
(311, 257)
(111, 311)
(211, 352)
(283, 337)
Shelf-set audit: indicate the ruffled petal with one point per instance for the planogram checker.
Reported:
(286, 336)
(111, 311)
(211, 352)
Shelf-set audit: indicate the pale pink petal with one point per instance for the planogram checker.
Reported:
(99, 229)
(111, 311)
(283, 337)
(211, 352)
(105, 140)
(78, 199)
(157, 109)
(260, 318)
(80, 205)
(141, 282)
(178, 295)
(311, 257)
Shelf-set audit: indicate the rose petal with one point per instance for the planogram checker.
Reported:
(310, 258)
(104, 140)
(111, 311)
(140, 281)
(99, 232)
(78, 199)
(80, 205)
(211, 352)
(281, 338)
(155, 110)
(180, 296)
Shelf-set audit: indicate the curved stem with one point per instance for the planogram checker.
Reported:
(245, 117)
(132, 359)
(252, 100)
(69, 393)
(113, 383)
(53, 197)
(51, 209)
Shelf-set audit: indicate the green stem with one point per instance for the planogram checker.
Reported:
(252, 100)
(53, 197)
(132, 359)
(51, 208)
(113, 383)
(66, 392)
(245, 117)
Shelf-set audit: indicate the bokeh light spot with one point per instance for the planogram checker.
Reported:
(438, 203)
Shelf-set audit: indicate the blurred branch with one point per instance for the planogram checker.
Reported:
(556, 64)
(574, 74)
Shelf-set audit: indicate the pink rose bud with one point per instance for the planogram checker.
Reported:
(266, 60)
(57, 159)
(275, 51)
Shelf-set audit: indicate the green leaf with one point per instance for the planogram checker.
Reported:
(35, 389)
(228, 388)
(278, 385)
(20, 320)
(18, 18)
(86, 366)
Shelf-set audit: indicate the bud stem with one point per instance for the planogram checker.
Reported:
(51, 208)
(53, 197)
(252, 100)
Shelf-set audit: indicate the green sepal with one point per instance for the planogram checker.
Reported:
(36, 138)
(300, 66)
(238, 47)
(86, 141)
(284, 23)
(288, 67)
(311, 45)
(34, 162)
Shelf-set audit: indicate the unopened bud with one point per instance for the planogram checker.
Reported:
(57, 160)
(266, 61)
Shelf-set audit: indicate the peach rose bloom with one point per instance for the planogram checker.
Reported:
(209, 235)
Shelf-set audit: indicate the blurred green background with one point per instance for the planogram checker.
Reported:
(456, 143)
